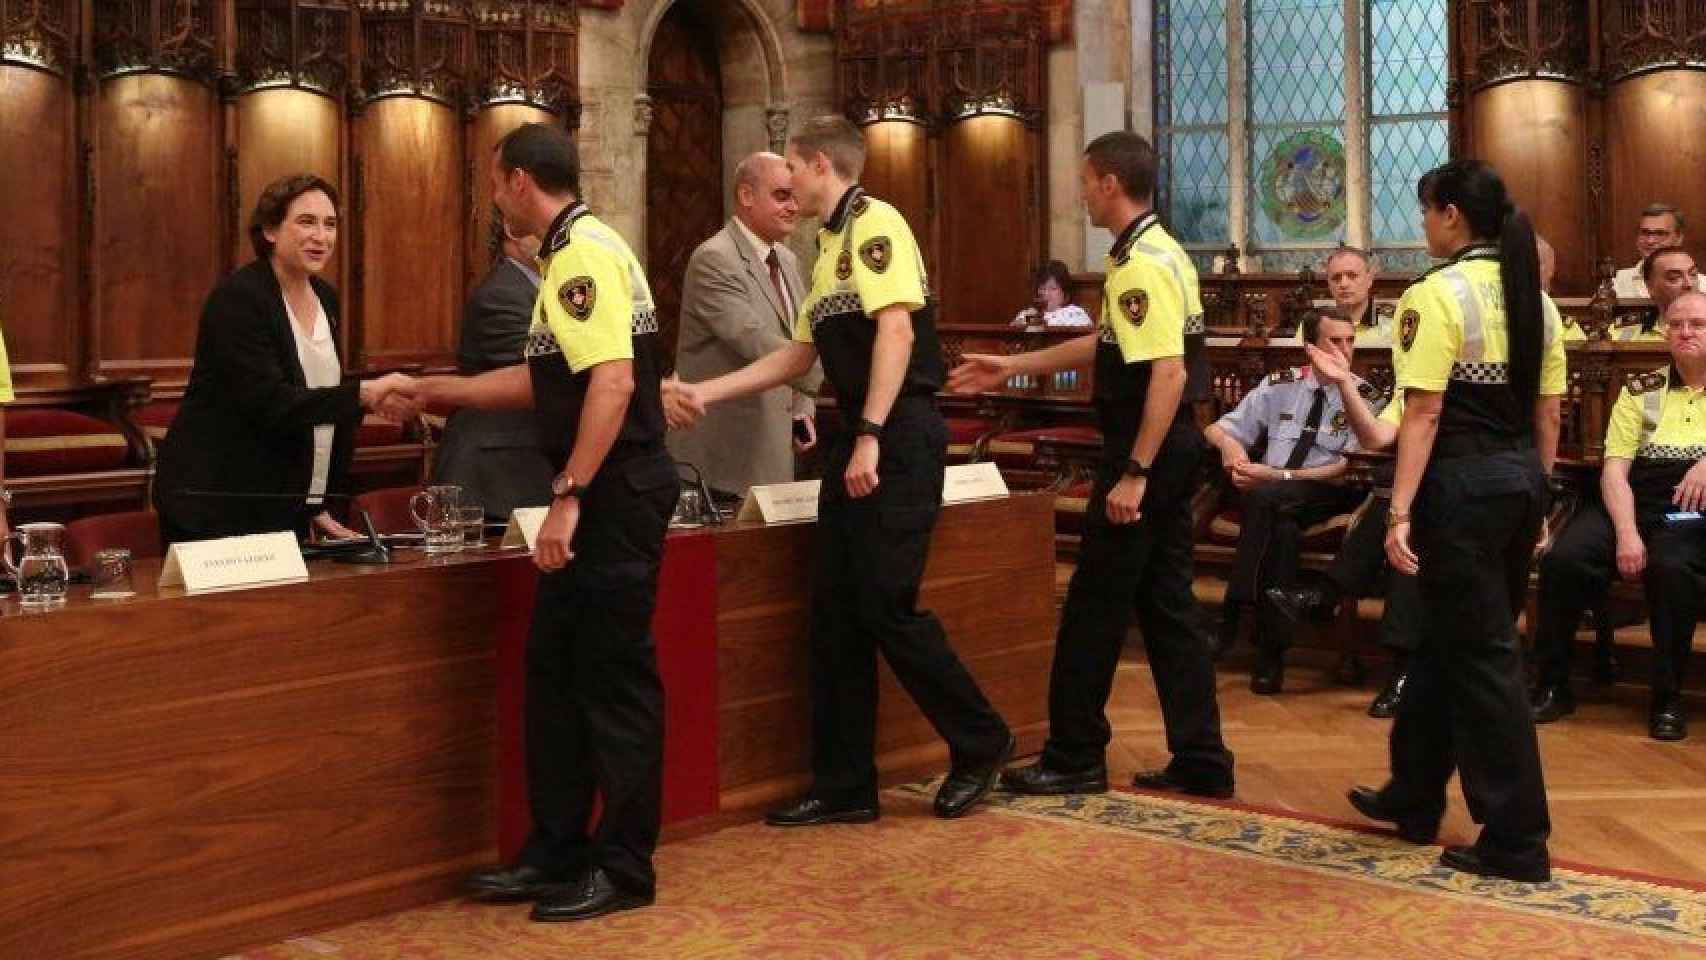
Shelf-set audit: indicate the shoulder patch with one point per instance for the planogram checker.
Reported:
(1367, 391)
(578, 295)
(1647, 382)
(1135, 305)
(1407, 325)
(844, 266)
(876, 254)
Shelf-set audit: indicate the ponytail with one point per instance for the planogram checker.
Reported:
(1525, 323)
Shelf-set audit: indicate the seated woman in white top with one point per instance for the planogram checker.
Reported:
(1051, 308)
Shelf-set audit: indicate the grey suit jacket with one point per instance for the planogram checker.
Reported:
(730, 317)
(494, 455)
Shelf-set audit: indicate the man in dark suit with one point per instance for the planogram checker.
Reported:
(494, 455)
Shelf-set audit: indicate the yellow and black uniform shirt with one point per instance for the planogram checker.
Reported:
(1146, 307)
(594, 307)
(1148, 236)
(1453, 339)
(867, 261)
(1374, 329)
(1659, 423)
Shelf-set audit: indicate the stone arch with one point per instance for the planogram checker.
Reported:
(736, 19)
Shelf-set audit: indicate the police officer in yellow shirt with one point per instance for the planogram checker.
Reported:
(1653, 477)
(1482, 371)
(5, 397)
(594, 722)
(869, 316)
(1667, 273)
(1136, 552)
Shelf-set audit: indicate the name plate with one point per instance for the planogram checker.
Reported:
(524, 524)
(234, 562)
(972, 481)
(781, 502)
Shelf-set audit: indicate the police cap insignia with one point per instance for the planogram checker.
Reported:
(1407, 325)
(578, 295)
(1135, 305)
(876, 253)
(843, 266)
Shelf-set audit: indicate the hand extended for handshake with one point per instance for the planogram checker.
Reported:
(392, 397)
(683, 404)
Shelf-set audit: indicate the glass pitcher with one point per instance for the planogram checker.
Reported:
(40, 566)
(437, 512)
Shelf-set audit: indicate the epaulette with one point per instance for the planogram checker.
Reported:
(1367, 391)
(1286, 375)
(558, 240)
(860, 205)
(1652, 380)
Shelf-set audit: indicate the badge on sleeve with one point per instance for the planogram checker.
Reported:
(1135, 305)
(578, 295)
(1407, 325)
(843, 266)
(1339, 421)
(876, 253)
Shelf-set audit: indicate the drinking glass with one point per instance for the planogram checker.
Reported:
(112, 569)
(473, 526)
(436, 511)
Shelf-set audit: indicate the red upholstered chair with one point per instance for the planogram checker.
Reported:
(156, 418)
(136, 530)
(389, 508)
(966, 436)
(1015, 451)
(47, 442)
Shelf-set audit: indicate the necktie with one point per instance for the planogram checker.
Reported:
(1311, 426)
(776, 281)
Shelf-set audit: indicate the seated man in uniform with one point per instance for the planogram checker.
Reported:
(1654, 477)
(1661, 226)
(1306, 433)
(1350, 279)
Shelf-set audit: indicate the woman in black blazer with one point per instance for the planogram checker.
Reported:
(268, 422)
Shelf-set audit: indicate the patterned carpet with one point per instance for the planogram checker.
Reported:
(1121, 875)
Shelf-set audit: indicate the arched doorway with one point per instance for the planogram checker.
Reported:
(684, 154)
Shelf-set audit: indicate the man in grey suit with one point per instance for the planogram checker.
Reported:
(494, 455)
(738, 304)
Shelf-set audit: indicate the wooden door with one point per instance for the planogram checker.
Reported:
(684, 157)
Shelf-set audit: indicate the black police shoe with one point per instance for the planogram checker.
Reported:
(1668, 722)
(964, 788)
(1551, 703)
(1041, 780)
(1471, 860)
(812, 812)
(1268, 676)
(594, 896)
(1391, 697)
(1303, 604)
(1414, 826)
(1166, 780)
(512, 884)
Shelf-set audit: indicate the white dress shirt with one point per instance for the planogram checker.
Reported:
(318, 355)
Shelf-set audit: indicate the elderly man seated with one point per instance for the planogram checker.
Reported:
(1661, 226)
(1645, 527)
(1299, 423)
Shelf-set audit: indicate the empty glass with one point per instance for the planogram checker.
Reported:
(40, 569)
(689, 509)
(473, 526)
(111, 573)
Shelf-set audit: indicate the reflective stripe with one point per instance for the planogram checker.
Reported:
(1193, 322)
(1474, 330)
(1652, 410)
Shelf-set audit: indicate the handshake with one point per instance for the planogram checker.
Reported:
(683, 403)
(393, 396)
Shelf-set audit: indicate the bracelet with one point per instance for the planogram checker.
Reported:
(1394, 519)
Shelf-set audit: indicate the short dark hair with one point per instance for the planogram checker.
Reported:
(834, 136)
(1652, 260)
(1129, 158)
(273, 205)
(546, 152)
(1665, 209)
(1311, 327)
(1058, 272)
(1345, 249)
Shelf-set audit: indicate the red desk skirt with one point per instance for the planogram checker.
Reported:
(685, 627)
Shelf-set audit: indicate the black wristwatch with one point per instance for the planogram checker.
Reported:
(563, 485)
(1135, 469)
(868, 428)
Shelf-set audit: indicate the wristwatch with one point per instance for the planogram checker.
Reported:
(5, 497)
(563, 485)
(1135, 469)
(868, 428)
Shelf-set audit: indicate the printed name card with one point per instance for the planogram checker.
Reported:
(524, 524)
(233, 562)
(972, 481)
(781, 502)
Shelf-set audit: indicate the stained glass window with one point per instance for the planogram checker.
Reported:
(1296, 181)
(1191, 129)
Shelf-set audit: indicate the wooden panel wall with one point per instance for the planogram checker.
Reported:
(988, 244)
(158, 227)
(488, 128)
(897, 169)
(1656, 126)
(38, 224)
(1534, 133)
(281, 132)
(413, 214)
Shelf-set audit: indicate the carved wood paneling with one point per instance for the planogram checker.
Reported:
(304, 43)
(39, 33)
(987, 160)
(1507, 39)
(1641, 35)
(936, 61)
(163, 36)
(526, 52)
(419, 48)
(38, 224)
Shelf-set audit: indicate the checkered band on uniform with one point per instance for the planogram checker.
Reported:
(1666, 451)
(541, 342)
(645, 321)
(1481, 372)
(1194, 325)
(834, 305)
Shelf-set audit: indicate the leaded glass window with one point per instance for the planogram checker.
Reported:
(1195, 147)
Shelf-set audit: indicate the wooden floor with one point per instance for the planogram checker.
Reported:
(1618, 799)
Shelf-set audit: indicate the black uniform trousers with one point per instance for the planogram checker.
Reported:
(1361, 570)
(1142, 568)
(594, 714)
(868, 562)
(1476, 521)
(1576, 573)
(1271, 534)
